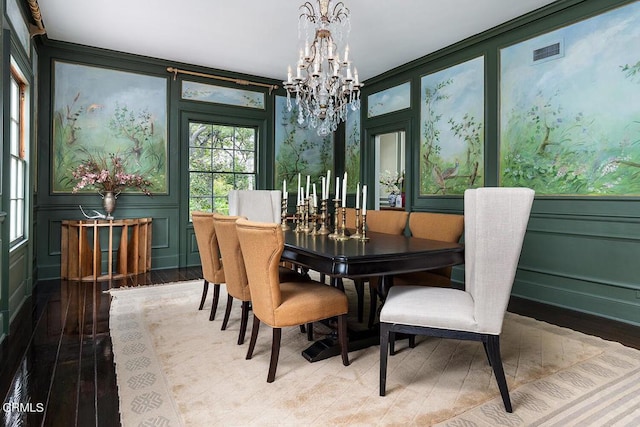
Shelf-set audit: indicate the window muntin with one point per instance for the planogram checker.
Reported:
(221, 158)
(18, 161)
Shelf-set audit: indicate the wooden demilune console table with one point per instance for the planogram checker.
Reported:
(82, 255)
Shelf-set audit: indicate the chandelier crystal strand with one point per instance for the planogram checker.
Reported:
(325, 86)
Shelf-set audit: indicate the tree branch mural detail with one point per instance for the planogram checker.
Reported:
(299, 150)
(452, 129)
(99, 111)
(569, 124)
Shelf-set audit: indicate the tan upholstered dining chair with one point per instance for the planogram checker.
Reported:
(495, 225)
(382, 221)
(212, 270)
(235, 273)
(284, 304)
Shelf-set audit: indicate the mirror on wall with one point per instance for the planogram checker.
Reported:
(389, 168)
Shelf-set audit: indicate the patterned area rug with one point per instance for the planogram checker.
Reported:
(174, 367)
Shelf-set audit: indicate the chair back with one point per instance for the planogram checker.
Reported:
(437, 226)
(234, 270)
(208, 246)
(256, 205)
(388, 222)
(495, 221)
(350, 218)
(262, 245)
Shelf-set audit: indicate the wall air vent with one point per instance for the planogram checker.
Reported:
(549, 52)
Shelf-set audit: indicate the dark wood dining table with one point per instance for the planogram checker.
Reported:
(383, 255)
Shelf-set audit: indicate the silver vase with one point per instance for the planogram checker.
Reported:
(109, 202)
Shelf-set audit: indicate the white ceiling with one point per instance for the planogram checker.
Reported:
(259, 37)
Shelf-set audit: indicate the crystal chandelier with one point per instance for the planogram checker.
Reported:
(324, 85)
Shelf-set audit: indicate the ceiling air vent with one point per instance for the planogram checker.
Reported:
(549, 52)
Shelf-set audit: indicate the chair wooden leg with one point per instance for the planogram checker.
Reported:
(227, 312)
(412, 341)
(275, 353)
(216, 297)
(309, 331)
(373, 304)
(205, 289)
(343, 338)
(384, 350)
(392, 343)
(243, 322)
(359, 283)
(303, 329)
(254, 337)
(493, 349)
(486, 352)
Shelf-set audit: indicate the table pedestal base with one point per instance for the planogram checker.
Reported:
(330, 347)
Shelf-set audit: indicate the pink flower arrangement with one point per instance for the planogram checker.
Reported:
(108, 175)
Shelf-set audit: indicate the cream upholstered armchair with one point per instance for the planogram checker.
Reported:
(495, 224)
(256, 205)
(282, 304)
(424, 225)
(212, 270)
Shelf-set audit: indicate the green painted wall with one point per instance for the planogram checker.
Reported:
(173, 243)
(579, 252)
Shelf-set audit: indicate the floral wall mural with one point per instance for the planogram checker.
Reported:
(570, 108)
(299, 150)
(452, 129)
(352, 150)
(98, 112)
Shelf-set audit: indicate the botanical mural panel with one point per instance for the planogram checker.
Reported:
(570, 121)
(195, 91)
(300, 150)
(389, 100)
(98, 112)
(352, 150)
(452, 129)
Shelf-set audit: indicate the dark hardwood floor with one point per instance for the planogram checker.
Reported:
(56, 366)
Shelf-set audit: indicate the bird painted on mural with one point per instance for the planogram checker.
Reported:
(437, 177)
(451, 172)
(440, 176)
